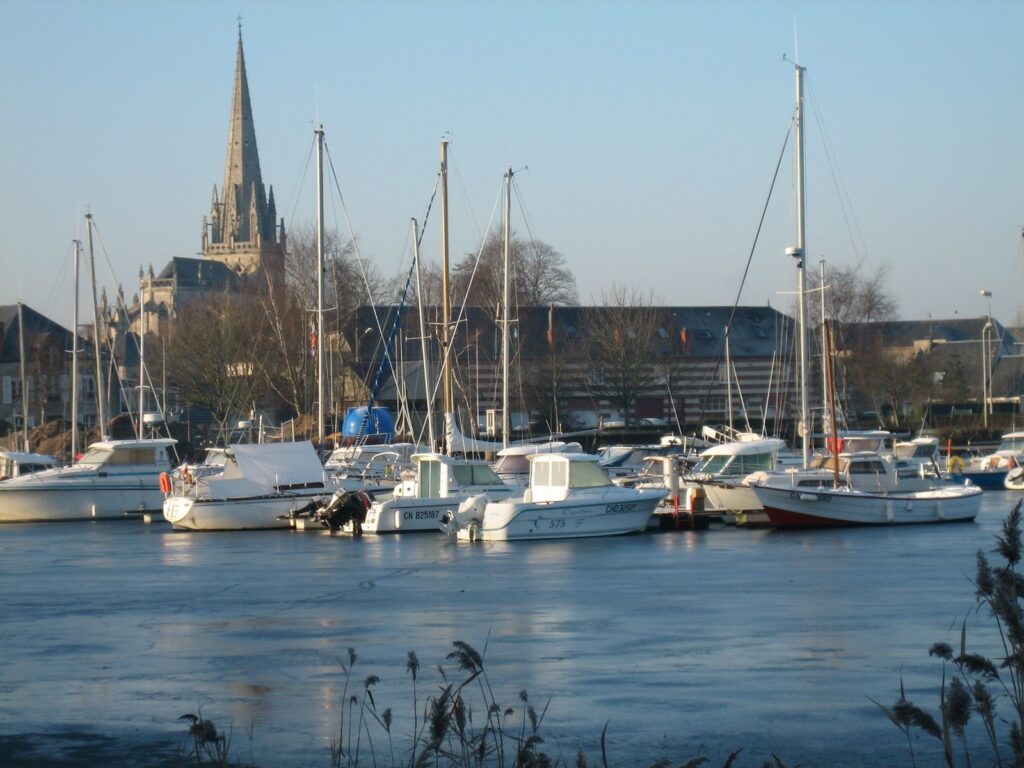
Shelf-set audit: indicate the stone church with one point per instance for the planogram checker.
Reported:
(243, 243)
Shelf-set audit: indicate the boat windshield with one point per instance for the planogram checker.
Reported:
(1013, 443)
(914, 450)
(95, 457)
(740, 465)
(513, 463)
(712, 465)
(587, 474)
(474, 474)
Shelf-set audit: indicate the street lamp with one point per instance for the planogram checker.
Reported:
(986, 373)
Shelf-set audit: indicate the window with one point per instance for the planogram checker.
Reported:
(541, 473)
(133, 456)
(430, 479)
(872, 467)
(587, 474)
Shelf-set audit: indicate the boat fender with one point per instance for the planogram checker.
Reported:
(956, 465)
(165, 483)
(1015, 474)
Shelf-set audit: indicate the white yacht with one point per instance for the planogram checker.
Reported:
(441, 483)
(721, 468)
(569, 496)
(113, 478)
(260, 486)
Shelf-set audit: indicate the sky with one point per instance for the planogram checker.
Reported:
(644, 136)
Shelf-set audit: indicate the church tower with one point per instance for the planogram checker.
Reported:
(242, 231)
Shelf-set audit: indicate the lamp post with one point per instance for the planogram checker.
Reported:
(986, 373)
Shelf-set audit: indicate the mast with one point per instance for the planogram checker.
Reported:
(320, 289)
(804, 427)
(101, 411)
(728, 382)
(74, 363)
(446, 372)
(142, 358)
(830, 400)
(24, 381)
(428, 392)
(828, 419)
(505, 420)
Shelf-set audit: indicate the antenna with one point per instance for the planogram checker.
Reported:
(796, 41)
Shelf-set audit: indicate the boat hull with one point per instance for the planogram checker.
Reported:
(987, 479)
(79, 500)
(247, 514)
(518, 520)
(406, 515)
(793, 508)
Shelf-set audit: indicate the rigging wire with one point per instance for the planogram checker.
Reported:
(746, 270)
(839, 183)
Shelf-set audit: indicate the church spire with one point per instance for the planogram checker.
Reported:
(243, 184)
(240, 231)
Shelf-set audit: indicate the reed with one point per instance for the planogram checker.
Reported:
(978, 684)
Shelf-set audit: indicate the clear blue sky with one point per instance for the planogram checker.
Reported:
(650, 129)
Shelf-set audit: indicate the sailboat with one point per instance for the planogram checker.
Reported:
(817, 501)
(263, 485)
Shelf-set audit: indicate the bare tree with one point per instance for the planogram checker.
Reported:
(539, 275)
(215, 349)
(347, 285)
(858, 297)
(623, 347)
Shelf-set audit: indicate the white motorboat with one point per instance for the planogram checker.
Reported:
(721, 469)
(16, 463)
(818, 507)
(261, 486)
(569, 496)
(113, 478)
(440, 485)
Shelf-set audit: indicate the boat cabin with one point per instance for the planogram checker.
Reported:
(15, 464)
(1012, 443)
(116, 456)
(439, 476)
(740, 458)
(554, 476)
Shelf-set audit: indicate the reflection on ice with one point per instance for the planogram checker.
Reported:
(673, 639)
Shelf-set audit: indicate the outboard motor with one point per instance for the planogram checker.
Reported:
(344, 507)
(469, 516)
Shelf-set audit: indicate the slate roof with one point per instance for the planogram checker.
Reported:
(755, 331)
(205, 274)
(35, 324)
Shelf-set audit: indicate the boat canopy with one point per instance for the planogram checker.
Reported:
(553, 475)
(281, 465)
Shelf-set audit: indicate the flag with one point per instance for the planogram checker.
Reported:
(312, 338)
(684, 339)
(551, 325)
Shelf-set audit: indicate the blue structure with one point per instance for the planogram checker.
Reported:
(375, 424)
